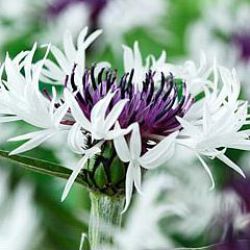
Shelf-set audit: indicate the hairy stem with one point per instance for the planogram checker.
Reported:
(105, 216)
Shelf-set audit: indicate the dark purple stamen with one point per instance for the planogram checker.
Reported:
(154, 108)
(242, 41)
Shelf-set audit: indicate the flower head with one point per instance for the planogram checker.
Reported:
(123, 126)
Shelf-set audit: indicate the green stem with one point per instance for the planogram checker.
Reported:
(105, 215)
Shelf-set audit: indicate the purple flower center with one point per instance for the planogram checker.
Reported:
(154, 108)
(95, 6)
(242, 41)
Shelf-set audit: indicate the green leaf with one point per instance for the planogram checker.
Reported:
(40, 166)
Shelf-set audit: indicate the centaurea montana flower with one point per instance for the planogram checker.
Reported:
(123, 126)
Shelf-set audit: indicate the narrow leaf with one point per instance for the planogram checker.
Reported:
(40, 166)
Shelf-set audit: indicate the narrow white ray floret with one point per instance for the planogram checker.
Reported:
(73, 55)
(131, 154)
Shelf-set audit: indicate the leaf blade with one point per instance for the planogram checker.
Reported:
(41, 166)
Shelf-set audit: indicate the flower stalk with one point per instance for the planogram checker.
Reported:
(105, 215)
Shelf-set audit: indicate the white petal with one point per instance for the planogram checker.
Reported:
(81, 37)
(28, 63)
(160, 153)
(207, 170)
(114, 114)
(129, 186)
(99, 110)
(73, 177)
(137, 178)
(231, 164)
(76, 139)
(36, 140)
(112, 134)
(20, 56)
(68, 44)
(128, 59)
(186, 125)
(121, 148)
(137, 55)
(52, 71)
(76, 111)
(28, 136)
(91, 38)
(135, 142)
(15, 78)
(61, 59)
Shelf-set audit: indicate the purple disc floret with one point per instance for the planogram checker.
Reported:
(154, 107)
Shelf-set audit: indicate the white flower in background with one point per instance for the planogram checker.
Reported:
(16, 17)
(73, 18)
(113, 121)
(135, 14)
(221, 32)
(142, 229)
(104, 14)
(232, 211)
(201, 204)
(19, 229)
(52, 17)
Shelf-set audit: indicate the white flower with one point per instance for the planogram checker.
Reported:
(55, 25)
(131, 154)
(220, 125)
(98, 113)
(17, 212)
(105, 17)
